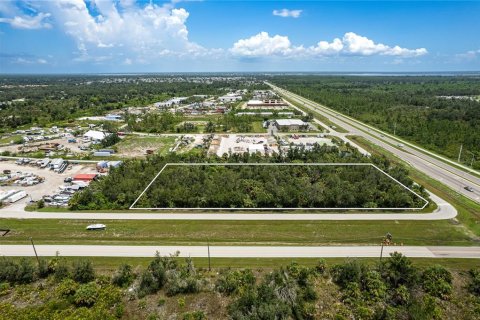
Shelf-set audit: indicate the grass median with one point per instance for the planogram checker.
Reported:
(191, 232)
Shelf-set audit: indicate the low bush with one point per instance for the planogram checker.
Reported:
(124, 276)
(437, 281)
(86, 295)
(21, 272)
(83, 271)
(474, 286)
(231, 282)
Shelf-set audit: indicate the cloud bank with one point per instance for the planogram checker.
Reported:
(351, 44)
(130, 32)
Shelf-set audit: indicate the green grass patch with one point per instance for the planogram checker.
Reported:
(191, 232)
(138, 144)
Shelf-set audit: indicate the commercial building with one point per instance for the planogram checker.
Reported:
(290, 124)
(94, 135)
(230, 98)
(171, 102)
(84, 177)
(267, 104)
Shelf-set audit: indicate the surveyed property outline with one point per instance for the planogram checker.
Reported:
(426, 202)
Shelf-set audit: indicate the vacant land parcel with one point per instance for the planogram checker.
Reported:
(276, 186)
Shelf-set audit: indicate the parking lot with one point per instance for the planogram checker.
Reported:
(52, 180)
(237, 143)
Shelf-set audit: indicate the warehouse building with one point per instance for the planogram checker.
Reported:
(290, 124)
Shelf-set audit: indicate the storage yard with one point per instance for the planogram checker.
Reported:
(36, 181)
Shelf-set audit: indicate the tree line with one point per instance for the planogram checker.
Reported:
(123, 185)
(49, 99)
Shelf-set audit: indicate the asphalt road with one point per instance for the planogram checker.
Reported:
(240, 251)
(444, 211)
(419, 158)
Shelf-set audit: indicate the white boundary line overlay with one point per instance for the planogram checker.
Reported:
(276, 164)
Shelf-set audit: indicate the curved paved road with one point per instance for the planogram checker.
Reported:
(240, 251)
(444, 211)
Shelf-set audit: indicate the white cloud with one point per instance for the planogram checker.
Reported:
(28, 22)
(285, 13)
(262, 45)
(469, 55)
(28, 60)
(143, 31)
(359, 45)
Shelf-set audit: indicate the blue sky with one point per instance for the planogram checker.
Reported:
(84, 36)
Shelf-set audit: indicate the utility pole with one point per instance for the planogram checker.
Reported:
(35, 250)
(208, 248)
(460, 153)
(387, 240)
(395, 128)
(473, 158)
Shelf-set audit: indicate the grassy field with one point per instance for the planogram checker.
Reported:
(136, 145)
(468, 210)
(159, 232)
(9, 139)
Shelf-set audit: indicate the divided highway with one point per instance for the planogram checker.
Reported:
(423, 160)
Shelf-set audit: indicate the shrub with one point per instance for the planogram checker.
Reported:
(83, 271)
(321, 266)
(398, 270)
(195, 315)
(373, 287)
(61, 269)
(25, 272)
(4, 288)
(351, 271)
(124, 276)
(147, 284)
(437, 281)
(231, 282)
(86, 295)
(183, 279)
(8, 270)
(181, 282)
(42, 269)
(67, 288)
(474, 286)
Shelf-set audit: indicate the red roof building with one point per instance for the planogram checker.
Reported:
(85, 176)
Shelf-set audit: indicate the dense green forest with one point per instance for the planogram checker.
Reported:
(45, 99)
(422, 109)
(123, 185)
(275, 187)
(168, 288)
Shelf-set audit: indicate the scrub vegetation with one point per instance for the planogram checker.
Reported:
(168, 286)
